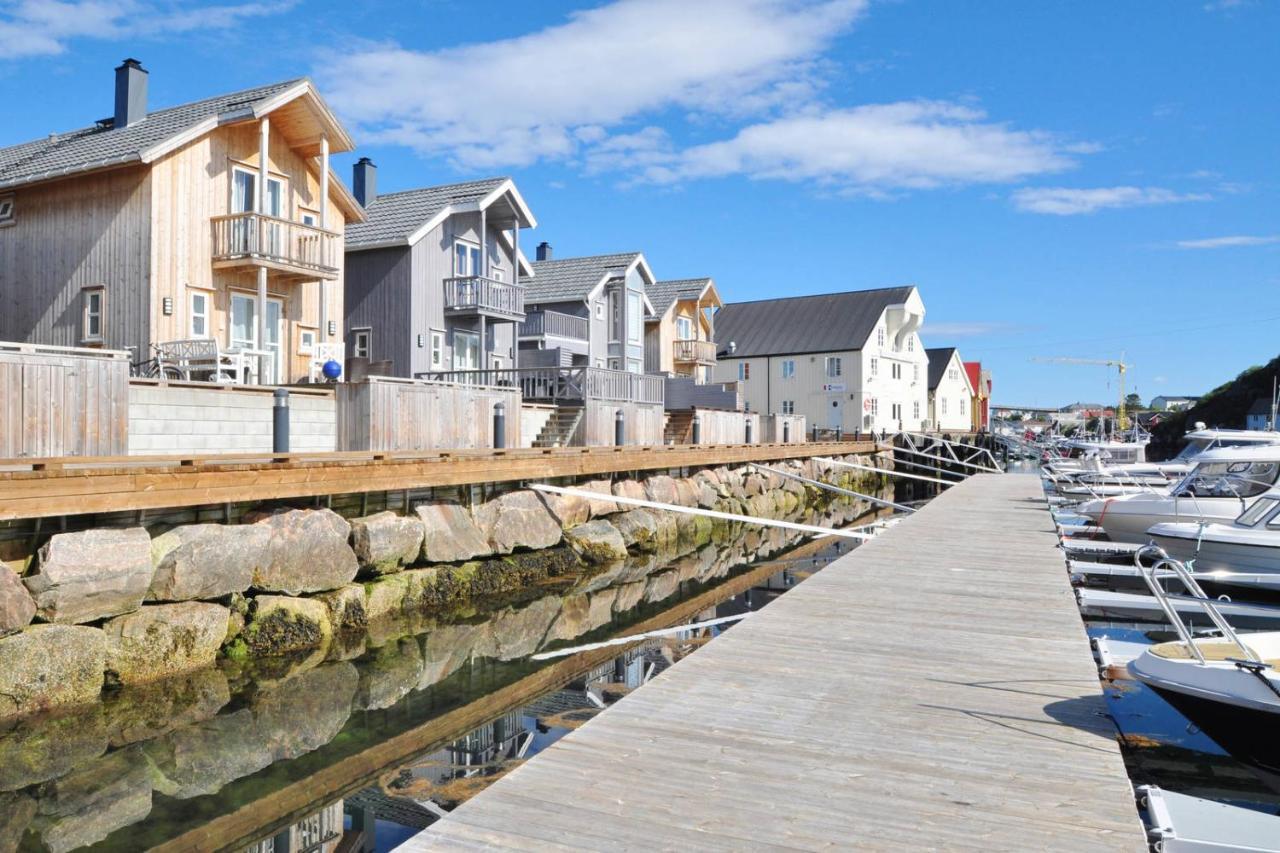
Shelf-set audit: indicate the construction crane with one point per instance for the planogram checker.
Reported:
(1119, 364)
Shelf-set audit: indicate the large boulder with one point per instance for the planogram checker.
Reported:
(145, 712)
(17, 607)
(308, 552)
(385, 597)
(628, 596)
(661, 489)
(631, 489)
(306, 711)
(346, 608)
(162, 640)
(597, 542)
(602, 505)
(518, 633)
(280, 623)
(207, 560)
(49, 665)
(91, 575)
(639, 529)
(569, 510)
(450, 535)
(45, 746)
(95, 800)
(389, 675)
(386, 542)
(517, 520)
(200, 759)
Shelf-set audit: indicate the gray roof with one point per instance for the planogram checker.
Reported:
(939, 358)
(664, 294)
(393, 217)
(828, 322)
(1261, 406)
(572, 279)
(101, 145)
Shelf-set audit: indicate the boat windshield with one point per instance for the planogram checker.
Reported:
(1228, 480)
(1194, 447)
(1257, 512)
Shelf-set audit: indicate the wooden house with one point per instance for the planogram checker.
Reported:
(679, 334)
(217, 220)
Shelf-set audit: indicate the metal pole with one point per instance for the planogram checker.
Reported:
(280, 421)
(786, 432)
(500, 425)
(748, 429)
(697, 429)
(619, 428)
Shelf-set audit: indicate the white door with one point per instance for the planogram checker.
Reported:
(275, 334)
(466, 351)
(835, 413)
(243, 333)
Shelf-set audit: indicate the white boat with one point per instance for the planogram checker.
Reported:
(1223, 483)
(1229, 686)
(1250, 543)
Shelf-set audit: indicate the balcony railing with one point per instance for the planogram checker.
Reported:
(254, 239)
(698, 352)
(554, 323)
(563, 384)
(476, 294)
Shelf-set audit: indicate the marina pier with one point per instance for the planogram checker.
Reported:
(932, 689)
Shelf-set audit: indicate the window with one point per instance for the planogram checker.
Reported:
(915, 373)
(244, 321)
(911, 343)
(599, 310)
(91, 321)
(361, 342)
(875, 366)
(6, 210)
(635, 366)
(834, 366)
(306, 341)
(788, 368)
(1255, 513)
(437, 350)
(915, 410)
(942, 405)
(788, 407)
(199, 315)
(497, 274)
(895, 411)
(466, 259)
(635, 317)
(744, 371)
(962, 402)
(895, 370)
(615, 316)
(309, 218)
(684, 328)
(952, 373)
(879, 336)
(875, 406)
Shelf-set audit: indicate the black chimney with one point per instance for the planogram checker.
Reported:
(544, 251)
(364, 181)
(131, 93)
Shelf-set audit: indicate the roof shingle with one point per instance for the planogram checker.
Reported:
(393, 217)
(663, 294)
(572, 279)
(939, 358)
(829, 322)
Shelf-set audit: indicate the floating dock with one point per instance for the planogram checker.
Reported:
(932, 689)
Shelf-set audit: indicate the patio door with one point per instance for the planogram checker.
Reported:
(243, 333)
(244, 199)
(466, 351)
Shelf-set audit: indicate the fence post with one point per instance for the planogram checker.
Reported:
(280, 421)
(697, 428)
(500, 425)
(619, 428)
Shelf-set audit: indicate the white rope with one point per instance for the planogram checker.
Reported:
(618, 641)
(854, 465)
(831, 488)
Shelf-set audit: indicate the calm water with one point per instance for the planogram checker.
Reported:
(384, 732)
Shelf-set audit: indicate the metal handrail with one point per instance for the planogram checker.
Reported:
(1164, 561)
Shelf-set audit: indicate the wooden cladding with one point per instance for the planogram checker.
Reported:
(62, 401)
(254, 239)
(693, 351)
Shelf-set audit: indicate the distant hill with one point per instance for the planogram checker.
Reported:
(1224, 406)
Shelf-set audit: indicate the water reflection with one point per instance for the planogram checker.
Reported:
(380, 731)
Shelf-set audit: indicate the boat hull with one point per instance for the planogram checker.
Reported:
(1248, 734)
(1129, 519)
(1212, 555)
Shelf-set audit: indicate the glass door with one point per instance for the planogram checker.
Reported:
(275, 326)
(466, 351)
(244, 199)
(274, 207)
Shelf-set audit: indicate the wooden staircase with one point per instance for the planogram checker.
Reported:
(559, 429)
(679, 428)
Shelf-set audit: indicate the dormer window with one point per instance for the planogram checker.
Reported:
(6, 210)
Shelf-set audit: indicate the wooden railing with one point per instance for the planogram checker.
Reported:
(541, 323)
(563, 384)
(255, 238)
(700, 352)
(476, 294)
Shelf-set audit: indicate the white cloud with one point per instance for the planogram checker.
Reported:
(44, 27)
(874, 148)
(518, 100)
(1066, 201)
(1230, 242)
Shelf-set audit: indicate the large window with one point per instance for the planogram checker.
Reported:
(466, 258)
(93, 304)
(635, 317)
(835, 367)
(744, 371)
(1228, 480)
(684, 328)
(788, 368)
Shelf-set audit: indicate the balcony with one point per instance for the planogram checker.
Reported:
(695, 352)
(544, 324)
(291, 248)
(475, 295)
(563, 384)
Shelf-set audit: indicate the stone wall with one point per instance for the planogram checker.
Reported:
(128, 606)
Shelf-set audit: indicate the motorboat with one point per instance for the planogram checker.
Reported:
(1224, 483)
(1250, 543)
(1229, 686)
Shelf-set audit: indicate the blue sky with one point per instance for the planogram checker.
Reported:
(1059, 178)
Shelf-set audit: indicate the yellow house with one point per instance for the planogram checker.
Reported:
(214, 221)
(679, 334)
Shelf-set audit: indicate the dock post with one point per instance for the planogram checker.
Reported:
(500, 425)
(697, 429)
(839, 433)
(280, 421)
(619, 428)
(748, 430)
(786, 432)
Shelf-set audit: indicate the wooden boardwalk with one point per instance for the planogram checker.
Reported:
(932, 690)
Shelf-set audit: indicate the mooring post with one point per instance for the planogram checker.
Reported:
(748, 425)
(839, 432)
(280, 422)
(500, 425)
(786, 432)
(697, 428)
(815, 432)
(619, 428)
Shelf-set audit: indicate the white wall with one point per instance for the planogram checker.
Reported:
(950, 402)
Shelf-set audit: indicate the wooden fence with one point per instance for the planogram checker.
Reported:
(774, 428)
(413, 414)
(63, 401)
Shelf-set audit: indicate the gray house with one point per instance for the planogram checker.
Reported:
(587, 312)
(432, 283)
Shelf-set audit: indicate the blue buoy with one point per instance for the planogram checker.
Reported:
(332, 370)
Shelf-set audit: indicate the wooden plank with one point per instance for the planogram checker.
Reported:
(932, 689)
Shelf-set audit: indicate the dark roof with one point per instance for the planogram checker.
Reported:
(571, 279)
(939, 358)
(829, 322)
(1261, 406)
(101, 145)
(394, 217)
(664, 294)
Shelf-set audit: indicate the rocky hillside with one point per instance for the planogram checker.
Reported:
(1224, 406)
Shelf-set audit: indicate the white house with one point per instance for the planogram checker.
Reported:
(950, 391)
(851, 360)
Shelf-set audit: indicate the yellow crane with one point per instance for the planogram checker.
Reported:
(1119, 364)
